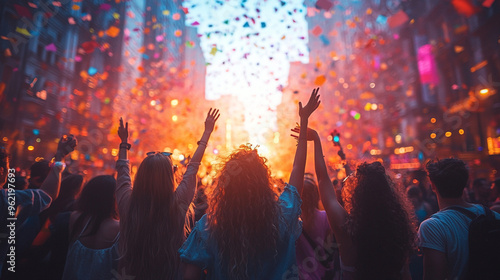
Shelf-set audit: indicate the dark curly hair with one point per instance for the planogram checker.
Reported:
(450, 176)
(244, 215)
(380, 222)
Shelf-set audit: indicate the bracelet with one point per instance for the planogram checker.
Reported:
(125, 146)
(202, 143)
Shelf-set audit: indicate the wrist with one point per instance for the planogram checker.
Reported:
(59, 156)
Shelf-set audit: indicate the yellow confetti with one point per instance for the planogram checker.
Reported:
(166, 12)
(116, 15)
(23, 31)
(75, 7)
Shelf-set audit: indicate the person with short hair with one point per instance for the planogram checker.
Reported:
(444, 236)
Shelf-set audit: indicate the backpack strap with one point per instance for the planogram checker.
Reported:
(464, 211)
(488, 212)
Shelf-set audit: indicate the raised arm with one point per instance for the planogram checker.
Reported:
(299, 162)
(212, 117)
(123, 181)
(52, 183)
(187, 187)
(337, 215)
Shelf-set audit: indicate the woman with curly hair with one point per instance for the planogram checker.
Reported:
(375, 231)
(249, 233)
(153, 212)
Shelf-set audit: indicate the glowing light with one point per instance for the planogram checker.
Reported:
(31, 148)
(181, 157)
(484, 91)
(329, 138)
(433, 120)
(239, 59)
(403, 150)
(114, 152)
(368, 106)
(153, 103)
(336, 139)
(38, 140)
(398, 139)
(174, 102)
(216, 152)
(461, 131)
(447, 134)
(174, 118)
(276, 139)
(374, 107)
(372, 85)
(375, 152)
(349, 146)
(104, 150)
(36, 131)
(5, 139)
(433, 135)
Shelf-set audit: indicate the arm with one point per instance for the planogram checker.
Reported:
(299, 162)
(212, 117)
(192, 272)
(337, 215)
(434, 264)
(52, 183)
(187, 187)
(123, 182)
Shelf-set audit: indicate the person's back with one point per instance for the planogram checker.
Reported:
(96, 256)
(94, 231)
(444, 237)
(246, 228)
(317, 253)
(448, 231)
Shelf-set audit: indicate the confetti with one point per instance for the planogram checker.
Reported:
(324, 5)
(71, 20)
(92, 71)
(113, 31)
(51, 48)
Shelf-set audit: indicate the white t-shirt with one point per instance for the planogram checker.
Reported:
(448, 231)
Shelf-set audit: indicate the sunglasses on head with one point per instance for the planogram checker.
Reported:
(167, 154)
(163, 153)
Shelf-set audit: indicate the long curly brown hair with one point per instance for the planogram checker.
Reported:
(380, 221)
(243, 217)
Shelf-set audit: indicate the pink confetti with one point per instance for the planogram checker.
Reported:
(71, 20)
(159, 38)
(105, 7)
(78, 58)
(51, 48)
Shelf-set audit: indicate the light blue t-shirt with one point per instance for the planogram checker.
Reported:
(200, 250)
(447, 231)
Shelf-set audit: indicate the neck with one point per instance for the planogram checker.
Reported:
(447, 202)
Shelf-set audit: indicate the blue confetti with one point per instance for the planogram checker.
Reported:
(92, 71)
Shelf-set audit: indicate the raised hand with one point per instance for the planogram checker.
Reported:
(311, 106)
(66, 145)
(311, 133)
(123, 131)
(212, 116)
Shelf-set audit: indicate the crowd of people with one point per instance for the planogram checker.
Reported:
(366, 226)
